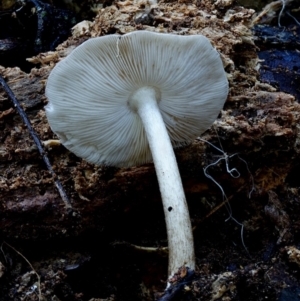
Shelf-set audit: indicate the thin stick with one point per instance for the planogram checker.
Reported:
(37, 275)
(158, 250)
(37, 142)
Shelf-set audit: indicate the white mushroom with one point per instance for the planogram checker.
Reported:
(125, 100)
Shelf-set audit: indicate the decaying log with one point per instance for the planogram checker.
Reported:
(257, 136)
(258, 124)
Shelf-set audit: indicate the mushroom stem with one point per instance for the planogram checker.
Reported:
(180, 237)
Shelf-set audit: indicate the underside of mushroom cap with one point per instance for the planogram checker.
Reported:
(89, 93)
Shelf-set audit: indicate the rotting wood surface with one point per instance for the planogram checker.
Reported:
(257, 123)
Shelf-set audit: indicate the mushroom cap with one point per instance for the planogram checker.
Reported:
(89, 93)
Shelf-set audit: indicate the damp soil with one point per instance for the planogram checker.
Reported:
(111, 245)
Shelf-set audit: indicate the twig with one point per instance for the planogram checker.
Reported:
(215, 209)
(157, 250)
(37, 142)
(37, 275)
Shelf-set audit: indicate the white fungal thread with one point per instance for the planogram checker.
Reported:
(289, 14)
(283, 8)
(234, 173)
(281, 12)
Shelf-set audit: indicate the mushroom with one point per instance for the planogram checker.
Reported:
(126, 100)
